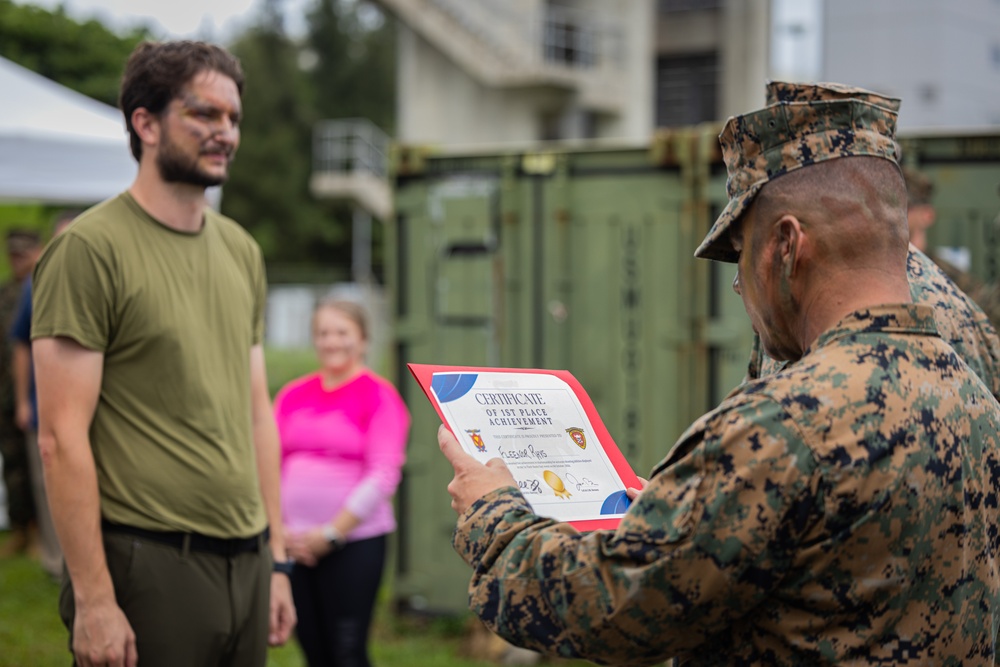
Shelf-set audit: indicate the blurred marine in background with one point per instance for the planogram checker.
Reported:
(26, 415)
(23, 247)
(922, 215)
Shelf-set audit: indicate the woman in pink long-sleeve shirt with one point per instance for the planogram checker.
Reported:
(343, 434)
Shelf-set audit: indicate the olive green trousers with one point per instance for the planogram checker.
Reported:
(187, 607)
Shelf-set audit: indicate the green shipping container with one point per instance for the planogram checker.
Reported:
(582, 259)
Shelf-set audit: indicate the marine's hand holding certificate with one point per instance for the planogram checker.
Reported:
(544, 427)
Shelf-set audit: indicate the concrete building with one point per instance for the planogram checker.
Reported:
(492, 71)
(941, 58)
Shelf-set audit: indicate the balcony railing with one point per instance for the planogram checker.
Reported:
(350, 146)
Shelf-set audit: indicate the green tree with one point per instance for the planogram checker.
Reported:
(343, 68)
(87, 57)
(352, 45)
(268, 190)
(355, 50)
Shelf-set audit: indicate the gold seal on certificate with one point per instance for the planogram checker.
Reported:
(543, 425)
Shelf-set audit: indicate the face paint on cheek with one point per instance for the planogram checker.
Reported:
(192, 123)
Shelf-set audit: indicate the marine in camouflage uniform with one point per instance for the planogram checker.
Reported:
(841, 511)
(22, 250)
(986, 295)
(922, 215)
(960, 321)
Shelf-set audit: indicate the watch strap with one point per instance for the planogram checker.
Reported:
(284, 567)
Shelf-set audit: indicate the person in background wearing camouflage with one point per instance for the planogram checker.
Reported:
(840, 511)
(23, 248)
(959, 319)
(922, 215)
(920, 212)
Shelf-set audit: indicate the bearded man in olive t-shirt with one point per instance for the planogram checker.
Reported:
(155, 424)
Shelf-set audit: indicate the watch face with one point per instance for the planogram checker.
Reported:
(284, 567)
(331, 535)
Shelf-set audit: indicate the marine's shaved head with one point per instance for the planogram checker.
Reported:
(854, 208)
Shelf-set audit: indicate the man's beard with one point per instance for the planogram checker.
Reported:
(175, 167)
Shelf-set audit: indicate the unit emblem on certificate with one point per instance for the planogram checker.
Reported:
(477, 439)
(578, 436)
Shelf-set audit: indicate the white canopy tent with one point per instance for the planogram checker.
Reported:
(56, 145)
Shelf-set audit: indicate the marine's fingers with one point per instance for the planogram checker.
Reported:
(452, 449)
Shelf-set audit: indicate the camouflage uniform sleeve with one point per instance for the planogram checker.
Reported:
(707, 540)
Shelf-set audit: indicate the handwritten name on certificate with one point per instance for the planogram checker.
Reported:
(545, 428)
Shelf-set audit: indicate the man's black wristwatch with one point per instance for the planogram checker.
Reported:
(284, 567)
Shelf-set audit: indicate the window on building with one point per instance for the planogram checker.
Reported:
(686, 89)
(667, 6)
(567, 38)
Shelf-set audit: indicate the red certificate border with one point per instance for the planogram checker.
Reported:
(424, 373)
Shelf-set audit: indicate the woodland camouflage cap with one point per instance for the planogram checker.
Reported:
(806, 124)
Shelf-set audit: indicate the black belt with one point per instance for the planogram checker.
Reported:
(195, 541)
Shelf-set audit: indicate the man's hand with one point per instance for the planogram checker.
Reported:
(282, 619)
(633, 492)
(102, 637)
(472, 480)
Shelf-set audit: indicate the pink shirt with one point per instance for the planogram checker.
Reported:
(341, 448)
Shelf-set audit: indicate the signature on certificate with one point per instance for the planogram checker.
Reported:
(582, 484)
(529, 486)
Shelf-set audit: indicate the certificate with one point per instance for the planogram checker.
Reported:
(545, 428)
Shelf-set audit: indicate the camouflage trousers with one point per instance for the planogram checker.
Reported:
(16, 474)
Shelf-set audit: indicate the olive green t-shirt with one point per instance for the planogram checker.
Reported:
(175, 315)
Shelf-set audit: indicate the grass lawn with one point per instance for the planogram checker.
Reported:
(32, 635)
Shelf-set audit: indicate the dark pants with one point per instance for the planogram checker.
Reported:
(187, 607)
(16, 474)
(334, 602)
